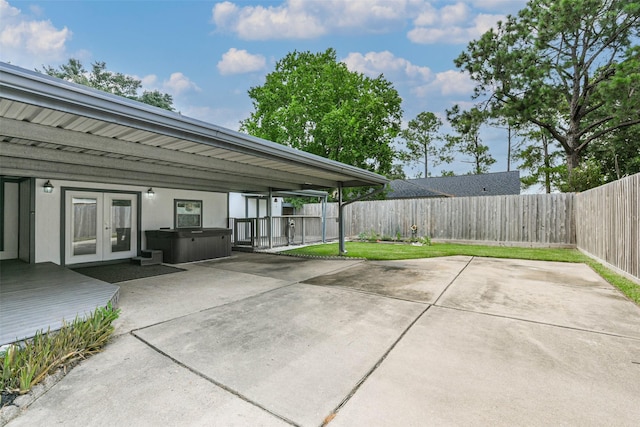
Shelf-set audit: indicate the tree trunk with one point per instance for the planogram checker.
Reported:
(547, 164)
(573, 160)
(426, 161)
(426, 172)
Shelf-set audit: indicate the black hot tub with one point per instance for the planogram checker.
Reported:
(186, 245)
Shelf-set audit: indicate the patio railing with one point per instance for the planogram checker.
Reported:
(281, 231)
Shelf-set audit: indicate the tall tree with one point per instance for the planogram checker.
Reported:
(540, 157)
(546, 65)
(116, 83)
(618, 152)
(314, 103)
(467, 140)
(397, 172)
(420, 137)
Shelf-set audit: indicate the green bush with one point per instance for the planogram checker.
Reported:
(371, 236)
(25, 364)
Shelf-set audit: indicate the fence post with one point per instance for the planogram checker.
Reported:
(255, 237)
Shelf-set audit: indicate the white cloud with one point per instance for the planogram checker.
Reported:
(500, 5)
(178, 83)
(7, 11)
(484, 22)
(454, 23)
(29, 42)
(287, 21)
(149, 81)
(427, 16)
(236, 61)
(454, 14)
(447, 83)
(304, 19)
(454, 34)
(224, 14)
(375, 63)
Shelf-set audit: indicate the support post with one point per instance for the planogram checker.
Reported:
(269, 218)
(341, 244)
(324, 219)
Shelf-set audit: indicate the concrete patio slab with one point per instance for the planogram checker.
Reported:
(565, 294)
(132, 384)
(292, 269)
(462, 368)
(421, 280)
(297, 351)
(507, 343)
(152, 300)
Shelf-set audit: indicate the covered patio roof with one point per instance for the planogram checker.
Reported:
(54, 129)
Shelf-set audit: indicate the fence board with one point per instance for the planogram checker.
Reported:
(542, 219)
(608, 224)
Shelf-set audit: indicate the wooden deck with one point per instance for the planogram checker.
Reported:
(37, 297)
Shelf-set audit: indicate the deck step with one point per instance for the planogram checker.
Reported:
(148, 257)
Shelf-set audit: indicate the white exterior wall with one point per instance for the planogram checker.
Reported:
(156, 211)
(10, 248)
(237, 206)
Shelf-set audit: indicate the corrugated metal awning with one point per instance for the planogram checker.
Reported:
(51, 128)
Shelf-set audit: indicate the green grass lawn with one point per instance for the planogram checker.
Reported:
(387, 252)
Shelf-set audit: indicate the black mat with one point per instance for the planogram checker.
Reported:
(114, 273)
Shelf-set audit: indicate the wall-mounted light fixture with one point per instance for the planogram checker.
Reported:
(275, 200)
(150, 192)
(48, 187)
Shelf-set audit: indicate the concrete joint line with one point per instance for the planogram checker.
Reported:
(453, 280)
(206, 309)
(364, 292)
(372, 370)
(519, 319)
(214, 382)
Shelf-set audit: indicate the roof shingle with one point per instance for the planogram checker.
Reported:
(490, 184)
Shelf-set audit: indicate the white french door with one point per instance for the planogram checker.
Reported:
(100, 226)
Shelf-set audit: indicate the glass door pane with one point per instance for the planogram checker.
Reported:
(120, 234)
(100, 226)
(84, 226)
(121, 218)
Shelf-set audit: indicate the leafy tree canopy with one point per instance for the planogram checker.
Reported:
(560, 64)
(116, 83)
(314, 103)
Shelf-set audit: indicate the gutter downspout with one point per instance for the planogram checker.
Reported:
(341, 205)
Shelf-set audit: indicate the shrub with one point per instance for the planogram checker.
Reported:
(371, 236)
(25, 364)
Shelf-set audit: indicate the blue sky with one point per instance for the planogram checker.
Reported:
(207, 54)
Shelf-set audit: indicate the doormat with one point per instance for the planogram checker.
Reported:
(114, 273)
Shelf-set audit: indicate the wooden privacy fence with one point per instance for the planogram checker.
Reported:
(603, 222)
(608, 223)
(536, 220)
